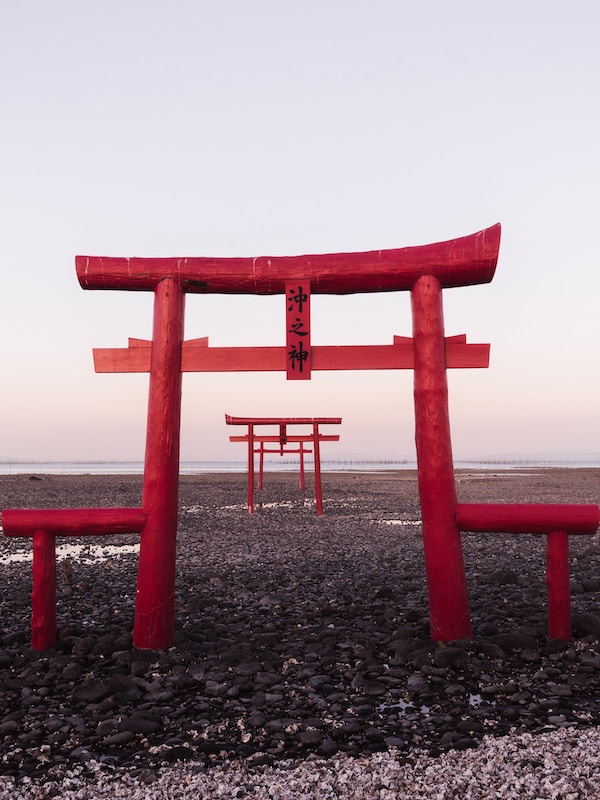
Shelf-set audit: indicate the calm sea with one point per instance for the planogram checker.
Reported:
(283, 465)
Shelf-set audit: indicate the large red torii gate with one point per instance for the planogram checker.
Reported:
(424, 271)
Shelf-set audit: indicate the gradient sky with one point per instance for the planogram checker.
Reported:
(269, 127)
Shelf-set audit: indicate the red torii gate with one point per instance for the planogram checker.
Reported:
(424, 271)
(283, 440)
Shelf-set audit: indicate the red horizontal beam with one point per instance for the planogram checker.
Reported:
(230, 420)
(283, 452)
(541, 518)
(288, 439)
(197, 358)
(457, 262)
(72, 521)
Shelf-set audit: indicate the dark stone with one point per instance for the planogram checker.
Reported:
(310, 738)
(327, 748)
(90, 692)
(503, 577)
(453, 657)
(139, 724)
(585, 623)
(178, 753)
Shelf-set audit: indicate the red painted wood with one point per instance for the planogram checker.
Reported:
(449, 606)
(231, 420)
(295, 439)
(43, 596)
(250, 468)
(261, 467)
(458, 262)
(558, 585)
(297, 330)
(302, 475)
(557, 522)
(283, 438)
(541, 518)
(273, 359)
(317, 451)
(72, 521)
(155, 607)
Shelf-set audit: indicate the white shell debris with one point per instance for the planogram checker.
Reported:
(558, 765)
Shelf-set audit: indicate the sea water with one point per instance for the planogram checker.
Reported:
(15, 467)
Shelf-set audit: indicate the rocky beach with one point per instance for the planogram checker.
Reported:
(302, 664)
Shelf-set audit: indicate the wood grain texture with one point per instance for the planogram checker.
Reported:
(463, 261)
(155, 599)
(72, 521)
(541, 518)
(459, 355)
(444, 565)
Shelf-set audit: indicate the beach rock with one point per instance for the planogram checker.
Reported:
(297, 636)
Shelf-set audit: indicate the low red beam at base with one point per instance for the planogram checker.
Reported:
(542, 518)
(557, 521)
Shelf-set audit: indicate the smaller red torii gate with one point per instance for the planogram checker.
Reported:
(283, 439)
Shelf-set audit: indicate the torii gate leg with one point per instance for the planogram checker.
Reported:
(155, 599)
(448, 600)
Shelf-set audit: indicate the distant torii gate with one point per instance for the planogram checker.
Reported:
(424, 271)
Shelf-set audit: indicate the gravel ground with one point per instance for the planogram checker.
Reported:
(302, 664)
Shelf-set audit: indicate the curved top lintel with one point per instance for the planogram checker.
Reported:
(458, 262)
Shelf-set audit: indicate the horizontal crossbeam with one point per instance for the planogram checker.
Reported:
(201, 358)
(72, 521)
(260, 439)
(230, 420)
(541, 518)
(458, 262)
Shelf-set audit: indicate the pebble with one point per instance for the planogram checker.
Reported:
(302, 647)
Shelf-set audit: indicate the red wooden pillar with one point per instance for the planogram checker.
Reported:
(261, 464)
(302, 477)
(250, 468)
(448, 601)
(317, 456)
(155, 599)
(43, 596)
(558, 585)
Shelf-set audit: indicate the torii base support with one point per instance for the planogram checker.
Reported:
(557, 522)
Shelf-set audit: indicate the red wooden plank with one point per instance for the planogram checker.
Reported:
(293, 439)
(541, 518)
(202, 341)
(72, 521)
(273, 359)
(457, 262)
(283, 452)
(231, 420)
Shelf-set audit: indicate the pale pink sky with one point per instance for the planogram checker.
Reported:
(183, 128)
